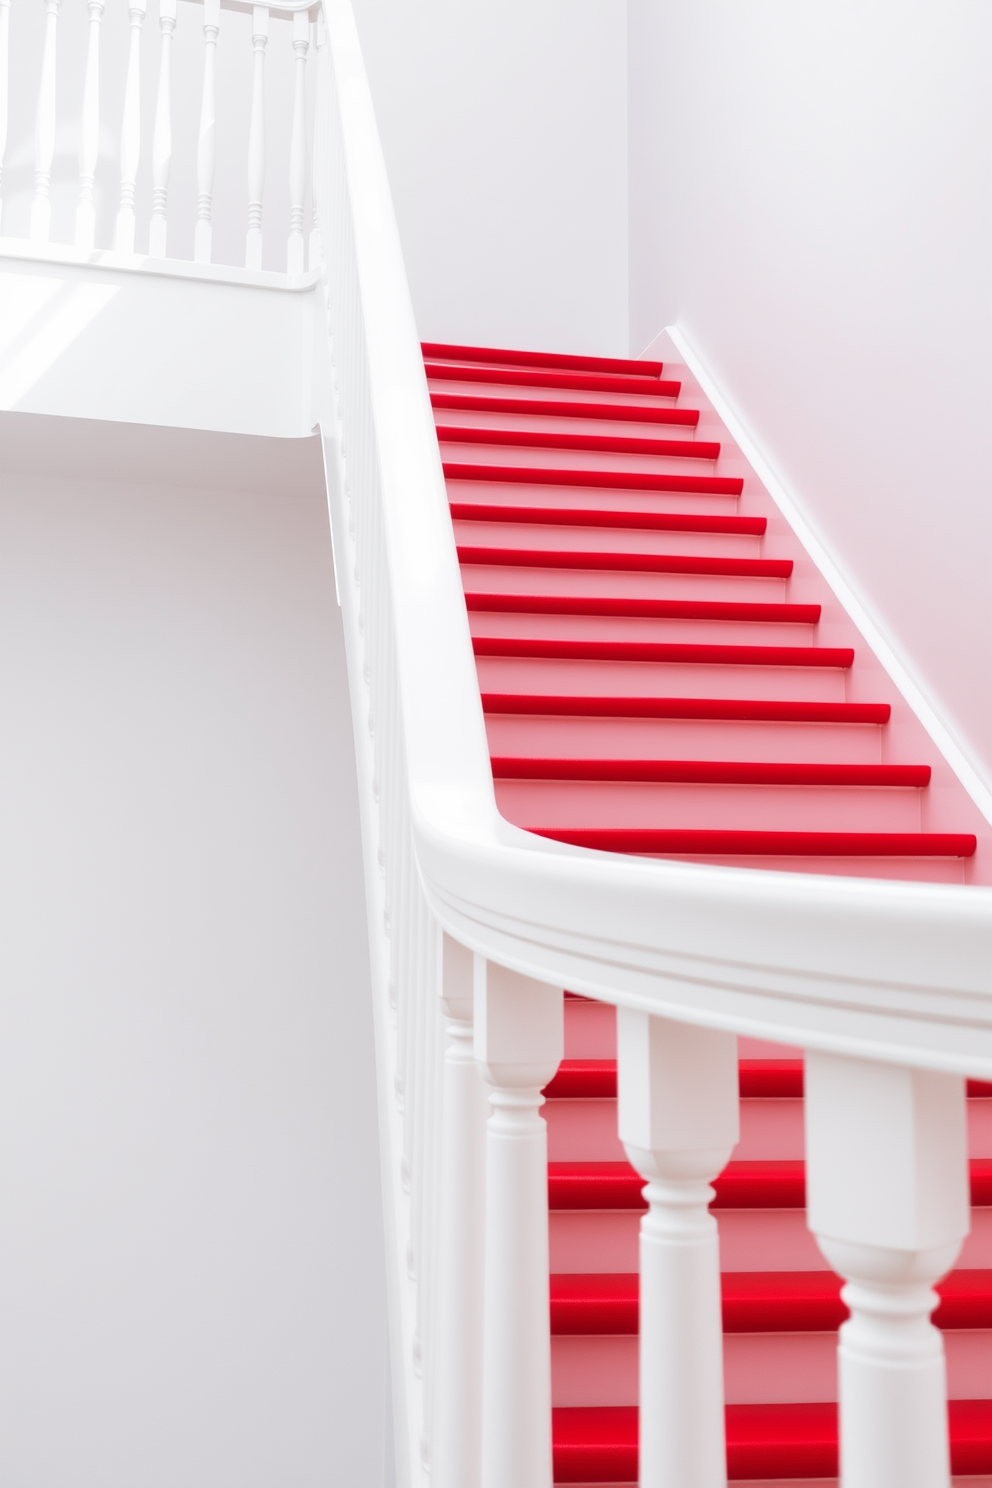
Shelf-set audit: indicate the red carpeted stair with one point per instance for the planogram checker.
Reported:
(663, 671)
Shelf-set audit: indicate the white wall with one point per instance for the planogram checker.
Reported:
(811, 202)
(192, 1288)
(504, 129)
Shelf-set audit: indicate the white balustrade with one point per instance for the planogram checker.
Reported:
(519, 1041)
(4, 89)
(677, 1111)
(44, 133)
(89, 128)
(256, 137)
(888, 1201)
(298, 144)
(162, 137)
(206, 143)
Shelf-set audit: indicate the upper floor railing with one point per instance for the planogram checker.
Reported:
(477, 927)
(292, 25)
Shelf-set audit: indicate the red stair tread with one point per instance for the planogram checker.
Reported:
(589, 516)
(678, 449)
(752, 611)
(664, 842)
(754, 1302)
(591, 382)
(739, 710)
(709, 772)
(685, 653)
(741, 1185)
(443, 351)
(599, 1444)
(677, 563)
(628, 413)
(610, 480)
(760, 1079)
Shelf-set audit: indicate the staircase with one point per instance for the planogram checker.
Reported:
(664, 672)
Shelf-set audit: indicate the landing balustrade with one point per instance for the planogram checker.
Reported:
(477, 928)
(295, 29)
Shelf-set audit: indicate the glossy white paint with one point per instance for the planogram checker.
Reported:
(887, 1196)
(677, 1115)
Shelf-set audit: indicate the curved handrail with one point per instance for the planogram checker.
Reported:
(884, 969)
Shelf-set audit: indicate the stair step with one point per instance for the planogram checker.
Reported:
(589, 516)
(708, 772)
(681, 842)
(442, 351)
(741, 1185)
(736, 710)
(619, 444)
(674, 653)
(599, 1444)
(590, 382)
(754, 1302)
(604, 559)
(760, 1079)
(628, 413)
(624, 606)
(617, 480)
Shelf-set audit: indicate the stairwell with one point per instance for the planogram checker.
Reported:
(663, 671)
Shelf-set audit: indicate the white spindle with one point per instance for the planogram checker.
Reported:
(130, 130)
(888, 1201)
(456, 1440)
(298, 144)
(4, 88)
(519, 1036)
(162, 138)
(205, 150)
(256, 138)
(89, 132)
(44, 132)
(678, 1119)
(317, 43)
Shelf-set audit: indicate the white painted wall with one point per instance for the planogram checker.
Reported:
(192, 1282)
(504, 129)
(811, 203)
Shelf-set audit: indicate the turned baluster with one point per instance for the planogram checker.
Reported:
(298, 144)
(130, 130)
(162, 137)
(317, 43)
(456, 1441)
(205, 149)
(677, 1110)
(887, 1199)
(89, 131)
(44, 131)
(4, 88)
(256, 138)
(519, 1032)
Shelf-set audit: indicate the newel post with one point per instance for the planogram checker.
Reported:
(519, 1040)
(678, 1120)
(456, 1439)
(887, 1199)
